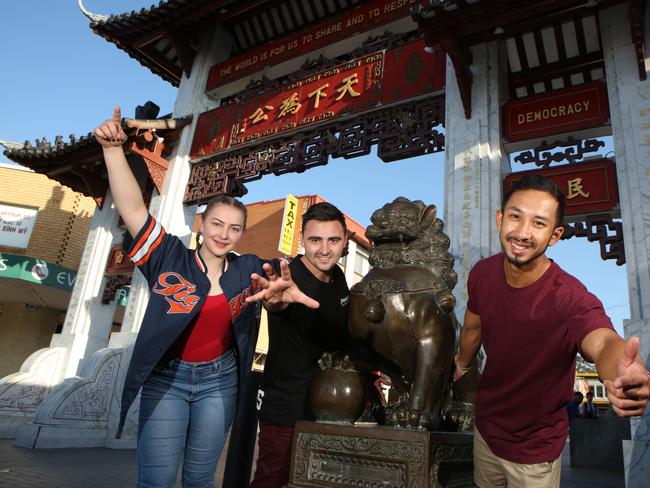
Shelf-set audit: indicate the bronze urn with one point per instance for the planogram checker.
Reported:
(338, 392)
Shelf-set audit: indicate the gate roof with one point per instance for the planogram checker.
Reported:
(164, 38)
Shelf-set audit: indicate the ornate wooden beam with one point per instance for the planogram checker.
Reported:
(180, 39)
(149, 52)
(153, 148)
(481, 18)
(399, 131)
(461, 58)
(572, 150)
(605, 230)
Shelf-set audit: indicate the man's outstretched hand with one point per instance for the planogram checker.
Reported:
(278, 290)
(630, 390)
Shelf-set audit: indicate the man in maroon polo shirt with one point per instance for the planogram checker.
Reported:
(532, 318)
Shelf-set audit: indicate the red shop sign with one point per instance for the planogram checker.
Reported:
(359, 19)
(588, 187)
(118, 262)
(565, 110)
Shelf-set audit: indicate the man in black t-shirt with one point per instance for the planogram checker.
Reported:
(297, 337)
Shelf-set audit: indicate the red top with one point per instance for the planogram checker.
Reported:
(210, 335)
(531, 336)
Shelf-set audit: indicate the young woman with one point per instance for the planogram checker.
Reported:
(194, 350)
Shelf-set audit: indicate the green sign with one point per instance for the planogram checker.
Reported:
(36, 271)
(122, 295)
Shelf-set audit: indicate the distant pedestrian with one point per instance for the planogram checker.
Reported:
(573, 408)
(589, 409)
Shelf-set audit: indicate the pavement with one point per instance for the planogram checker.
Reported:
(110, 468)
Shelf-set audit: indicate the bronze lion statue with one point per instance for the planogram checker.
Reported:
(403, 311)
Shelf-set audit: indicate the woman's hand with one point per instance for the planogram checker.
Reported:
(109, 133)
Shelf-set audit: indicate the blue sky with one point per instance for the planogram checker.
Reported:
(58, 77)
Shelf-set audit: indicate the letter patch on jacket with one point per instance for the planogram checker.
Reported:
(238, 303)
(177, 291)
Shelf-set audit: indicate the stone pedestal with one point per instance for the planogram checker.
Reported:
(333, 455)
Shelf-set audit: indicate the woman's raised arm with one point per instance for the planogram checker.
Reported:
(124, 187)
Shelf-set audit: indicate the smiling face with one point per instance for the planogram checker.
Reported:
(527, 226)
(324, 243)
(222, 229)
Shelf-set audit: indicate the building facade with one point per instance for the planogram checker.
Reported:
(43, 230)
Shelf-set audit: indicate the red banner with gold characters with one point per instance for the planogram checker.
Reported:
(409, 71)
(575, 108)
(340, 90)
(213, 129)
(118, 262)
(588, 187)
(359, 19)
(355, 86)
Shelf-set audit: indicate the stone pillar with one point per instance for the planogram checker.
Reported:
(475, 163)
(168, 209)
(86, 329)
(629, 103)
(88, 322)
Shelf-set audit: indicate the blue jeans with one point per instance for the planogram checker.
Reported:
(185, 410)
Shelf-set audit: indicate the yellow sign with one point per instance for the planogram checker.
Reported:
(288, 225)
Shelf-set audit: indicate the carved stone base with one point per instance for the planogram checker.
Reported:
(76, 412)
(330, 455)
(22, 393)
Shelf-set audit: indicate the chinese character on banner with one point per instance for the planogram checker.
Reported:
(588, 187)
(575, 188)
(290, 106)
(259, 115)
(346, 87)
(319, 93)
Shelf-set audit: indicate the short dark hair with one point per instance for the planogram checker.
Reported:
(323, 212)
(539, 183)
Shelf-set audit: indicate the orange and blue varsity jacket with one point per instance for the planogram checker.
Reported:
(178, 286)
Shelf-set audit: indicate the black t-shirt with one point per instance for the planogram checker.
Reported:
(297, 338)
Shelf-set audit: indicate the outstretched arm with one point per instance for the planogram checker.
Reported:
(470, 342)
(277, 291)
(124, 187)
(621, 368)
